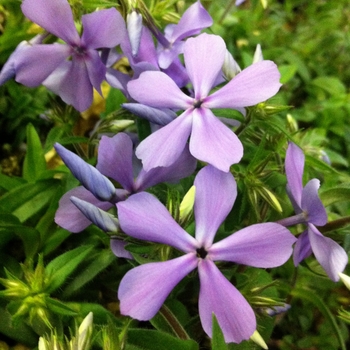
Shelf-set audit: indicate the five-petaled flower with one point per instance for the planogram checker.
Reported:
(73, 69)
(211, 141)
(143, 289)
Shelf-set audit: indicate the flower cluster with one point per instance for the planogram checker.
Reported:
(177, 85)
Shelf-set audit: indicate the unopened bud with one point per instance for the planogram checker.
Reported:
(134, 27)
(258, 339)
(230, 68)
(258, 55)
(187, 204)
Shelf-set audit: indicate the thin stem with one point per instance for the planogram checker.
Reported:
(173, 323)
(292, 220)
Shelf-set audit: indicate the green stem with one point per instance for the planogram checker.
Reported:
(173, 322)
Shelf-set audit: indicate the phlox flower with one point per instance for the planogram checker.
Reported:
(310, 210)
(210, 140)
(194, 19)
(115, 161)
(143, 289)
(73, 69)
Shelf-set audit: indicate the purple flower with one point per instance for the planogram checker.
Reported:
(211, 141)
(115, 160)
(194, 19)
(144, 289)
(309, 209)
(72, 79)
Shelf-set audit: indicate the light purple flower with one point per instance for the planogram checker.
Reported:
(144, 289)
(73, 80)
(211, 141)
(310, 210)
(115, 161)
(194, 19)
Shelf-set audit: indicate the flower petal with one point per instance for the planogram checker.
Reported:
(156, 89)
(331, 256)
(96, 70)
(34, 64)
(143, 290)
(54, 16)
(194, 19)
(71, 82)
(213, 142)
(261, 245)
(69, 216)
(311, 203)
(118, 248)
(184, 166)
(212, 202)
(204, 57)
(294, 165)
(160, 116)
(253, 85)
(217, 295)
(102, 29)
(90, 177)
(164, 147)
(142, 216)
(115, 159)
(302, 248)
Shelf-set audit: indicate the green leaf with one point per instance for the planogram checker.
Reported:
(21, 332)
(64, 265)
(218, 340)
(312, 297)
(287, 72)
(9, 183)
(99, 262)
(34, 161)
(26, 200)
(335, 195)
(150, 339)
(60, 308)
(332, 85)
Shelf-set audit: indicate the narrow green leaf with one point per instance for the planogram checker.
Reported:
(312, 297)
(218, 340)
(100, 262)
(59, 307)
(34, 161)
(150, 339)
(26, 200)
(64, 265)
(335, 195)
(9, 183)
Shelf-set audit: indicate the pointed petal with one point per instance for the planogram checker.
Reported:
(311, 203)
(115, 159)
(164, 147)
(212, 202)
(142, 216)
(261, 245)
(213, 142)
(54, 16)
(184, 166)
(217, 295)
(103, 29)
(91, 178)
(294, 165)
(118, 248)
(96, 70)
(34, 64)
(71, 82)
(194, 19)
(167, 55)
(69, 216)
(160, 116)
(253, 85)
(156, 89)
(331, 256)
(302, 248)
(204, 57)
(143, 290)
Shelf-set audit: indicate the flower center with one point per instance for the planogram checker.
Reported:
(79, 51)
(201, 253)
(197, 104)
